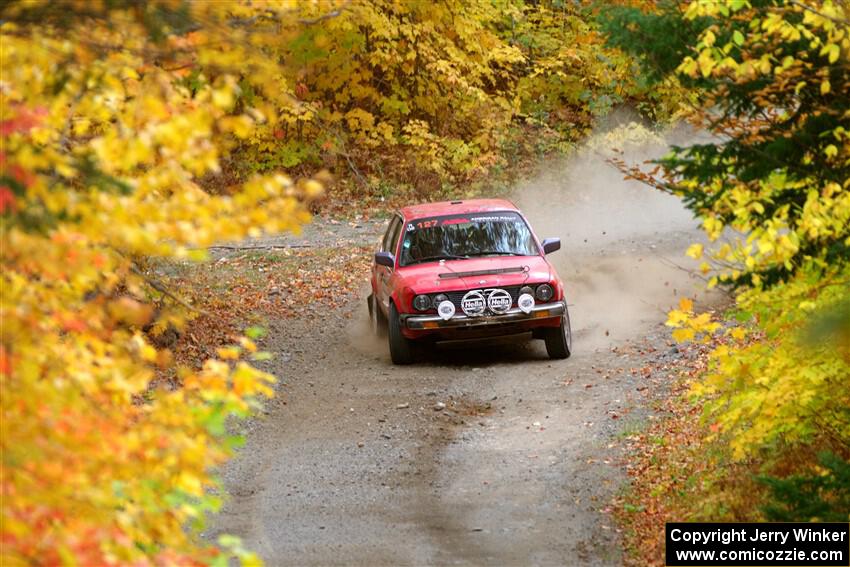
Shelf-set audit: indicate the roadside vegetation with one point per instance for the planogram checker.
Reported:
(762, 431)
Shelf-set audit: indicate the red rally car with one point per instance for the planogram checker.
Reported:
(462, 270)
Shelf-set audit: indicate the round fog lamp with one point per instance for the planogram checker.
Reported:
(422, 302)
(446, 310)
(525, 302)
(545, 292)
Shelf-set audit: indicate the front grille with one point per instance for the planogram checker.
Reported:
(456, 296)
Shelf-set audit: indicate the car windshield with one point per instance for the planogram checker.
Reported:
(465, 236)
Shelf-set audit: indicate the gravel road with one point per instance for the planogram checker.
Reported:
(483, 453)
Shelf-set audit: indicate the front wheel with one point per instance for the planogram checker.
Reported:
(559, 341)
(401, 348)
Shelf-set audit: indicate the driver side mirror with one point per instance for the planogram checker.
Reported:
(551, 245)
(385, 259)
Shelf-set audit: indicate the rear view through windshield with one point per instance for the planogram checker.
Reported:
(466, 236)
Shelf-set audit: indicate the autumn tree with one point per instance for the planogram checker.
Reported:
(112, 115)
(772, 188)
(430, 94)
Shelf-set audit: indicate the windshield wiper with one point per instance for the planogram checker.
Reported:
(434, 258)
(495, 252)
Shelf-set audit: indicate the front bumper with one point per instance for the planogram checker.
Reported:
(514, 315)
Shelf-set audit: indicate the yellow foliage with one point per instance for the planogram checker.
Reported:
(780, 241)
(780, 381)
(432, 87)
(695, 251)
(688, 326)
(786, 383)
(105, 140)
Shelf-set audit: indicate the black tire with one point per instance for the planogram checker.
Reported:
(559, 341)
(401, 348)
(377, 321)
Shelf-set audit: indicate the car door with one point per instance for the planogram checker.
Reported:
(383, 274)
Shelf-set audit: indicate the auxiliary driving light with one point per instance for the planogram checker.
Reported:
(525, 302)
(446, 310)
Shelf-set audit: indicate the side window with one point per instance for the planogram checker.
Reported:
(391, 237)
(394, 236)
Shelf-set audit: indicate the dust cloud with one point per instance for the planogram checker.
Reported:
(622, 243)
(622, 257)
(359, 329)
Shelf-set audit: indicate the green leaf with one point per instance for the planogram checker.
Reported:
(261, 356)
(738, 38)
(255, 332)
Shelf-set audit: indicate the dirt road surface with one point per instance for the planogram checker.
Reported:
(483, 453)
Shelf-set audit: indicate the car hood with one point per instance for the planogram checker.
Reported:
(473, 273)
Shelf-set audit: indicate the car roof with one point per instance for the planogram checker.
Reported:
(455, 207)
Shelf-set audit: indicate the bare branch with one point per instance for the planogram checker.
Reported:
(160, 287)
(328, 16)
(838, 21)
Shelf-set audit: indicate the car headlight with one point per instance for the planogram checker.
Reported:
(440, 297)
(526, 289)
(422, 303)
(545, 292)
